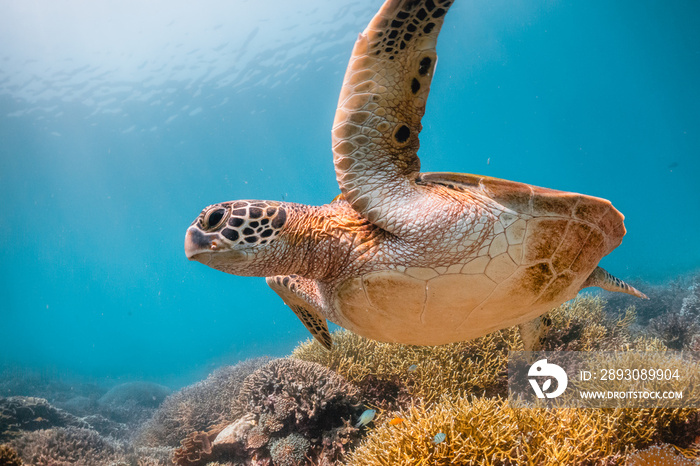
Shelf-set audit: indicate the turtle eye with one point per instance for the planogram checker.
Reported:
(213, 218)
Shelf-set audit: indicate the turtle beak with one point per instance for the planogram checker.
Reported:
(196, 243)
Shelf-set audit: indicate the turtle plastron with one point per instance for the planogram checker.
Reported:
(302, 296)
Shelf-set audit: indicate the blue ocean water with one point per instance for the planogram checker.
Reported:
(120, 121)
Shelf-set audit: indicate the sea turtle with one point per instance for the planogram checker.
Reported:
(404, 256)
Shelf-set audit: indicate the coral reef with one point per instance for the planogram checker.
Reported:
(659, 455)
(387, 394)
(671, 315)
(9, 457)
(199, 406)
(298, 395)
(66, 446)
(110, 428)
(292, 396)
(584, 324)
(691, 302)
(132, 403)
(196, 449)
(145, 456)
(302, 409)
(676, 330)
(491, 431)
(288, 409)
(145, 394)
(663, 298)
(21, 413)
(289, 451)
(79, 405)
(478, 368)
(475, 366)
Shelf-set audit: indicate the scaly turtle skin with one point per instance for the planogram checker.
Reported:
(404, 256)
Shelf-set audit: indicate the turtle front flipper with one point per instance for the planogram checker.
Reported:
(375, 132)
(301, 294)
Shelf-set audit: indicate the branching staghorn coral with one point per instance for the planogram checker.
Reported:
(488, 430)
(476, 366)
(491, 431)
(9, 457)
(583, 324)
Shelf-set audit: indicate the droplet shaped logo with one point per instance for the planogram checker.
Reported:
(543, 369)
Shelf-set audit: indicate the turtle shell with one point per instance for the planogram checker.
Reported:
(538, 254)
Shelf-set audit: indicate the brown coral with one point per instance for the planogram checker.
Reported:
(196, 449)
(199, 406)
(23, 413)
(659, 455)
(257, 438)
(9, 457)
(293, 397)
(303, 396)
(65, 446)
(289, 451)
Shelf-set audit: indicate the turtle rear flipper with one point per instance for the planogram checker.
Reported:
(533, 332)
(605, 280)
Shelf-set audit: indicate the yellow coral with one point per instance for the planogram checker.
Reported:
(682, 376)
(476, 366)
(492, 431)
(488, 429)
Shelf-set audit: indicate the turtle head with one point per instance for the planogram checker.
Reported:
(236, 237)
